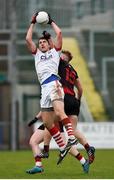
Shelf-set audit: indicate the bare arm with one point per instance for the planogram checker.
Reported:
(58, 42)
(79, 88)
(51, 42)
(30, 44)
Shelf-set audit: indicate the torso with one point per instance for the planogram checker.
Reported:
(68, 76)
(46, 64)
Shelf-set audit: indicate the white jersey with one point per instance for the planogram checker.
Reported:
(46, 64)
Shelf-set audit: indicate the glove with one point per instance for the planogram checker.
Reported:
(33, 21)
(50, 20)
(32, 121)
(46, 35)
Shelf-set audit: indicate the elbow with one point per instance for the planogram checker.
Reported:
(81, 90)
(27, 39)
(60, 33)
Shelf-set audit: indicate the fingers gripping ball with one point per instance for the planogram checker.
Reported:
(42, 17)
(33, 20)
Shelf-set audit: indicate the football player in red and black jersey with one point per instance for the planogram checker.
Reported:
(70, 80)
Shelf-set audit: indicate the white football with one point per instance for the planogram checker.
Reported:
(42, 17)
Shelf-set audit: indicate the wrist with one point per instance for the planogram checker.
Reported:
(51, 22)
(33, 22)
(36, 118)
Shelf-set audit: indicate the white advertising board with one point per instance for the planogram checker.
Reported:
(100, 135)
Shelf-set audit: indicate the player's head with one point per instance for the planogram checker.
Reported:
(43, 44)
(66, 56)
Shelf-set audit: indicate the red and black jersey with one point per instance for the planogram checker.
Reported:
(68, 76)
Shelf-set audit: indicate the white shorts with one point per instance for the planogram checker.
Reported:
(50, 92)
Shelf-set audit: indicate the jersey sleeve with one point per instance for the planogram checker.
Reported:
(34, 53)
(75, 72)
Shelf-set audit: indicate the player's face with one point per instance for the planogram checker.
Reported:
(43, 45)
(65, 57)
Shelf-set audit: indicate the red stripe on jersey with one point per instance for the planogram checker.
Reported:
(68, 91)
(57, 49)
(34, 52)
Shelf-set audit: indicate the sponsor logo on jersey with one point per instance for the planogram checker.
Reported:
(43, 57)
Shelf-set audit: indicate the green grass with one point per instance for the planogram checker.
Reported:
(14, 164)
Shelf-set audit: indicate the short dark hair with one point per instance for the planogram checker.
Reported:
(68, 53)
(42, 37)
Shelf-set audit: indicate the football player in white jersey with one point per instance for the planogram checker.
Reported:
(52, 94)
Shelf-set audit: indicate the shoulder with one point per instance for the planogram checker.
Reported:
(56, 50)
(72, 68)
(35, 52)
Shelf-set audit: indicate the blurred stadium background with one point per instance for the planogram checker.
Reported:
(88, 31)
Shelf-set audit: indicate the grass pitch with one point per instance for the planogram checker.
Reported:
(14, 164)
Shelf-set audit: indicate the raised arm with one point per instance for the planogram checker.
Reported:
(31, 45)
(58, 42)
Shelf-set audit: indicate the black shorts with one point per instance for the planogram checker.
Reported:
(72, 105)
(41, 127)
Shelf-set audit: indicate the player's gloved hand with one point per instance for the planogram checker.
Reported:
(33, 21)
(30, 123)
(50, 19)
(46, 35)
